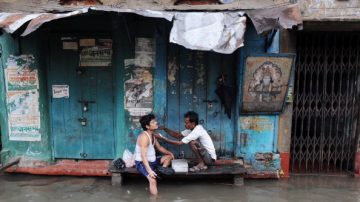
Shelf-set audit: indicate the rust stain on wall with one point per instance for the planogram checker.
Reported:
(255, 123)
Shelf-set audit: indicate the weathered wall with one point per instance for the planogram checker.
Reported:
(257, 135)
(126, 129)
(38, 149)
(323, 10)
(8, 45)
(124, 31)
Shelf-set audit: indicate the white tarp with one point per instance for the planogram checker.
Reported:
(221, 32)
(10, 22)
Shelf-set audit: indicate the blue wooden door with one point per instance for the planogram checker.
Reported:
(192, 81)
(71, 139)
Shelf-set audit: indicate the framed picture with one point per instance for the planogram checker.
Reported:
(265, 83)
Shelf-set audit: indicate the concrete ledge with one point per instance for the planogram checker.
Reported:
(63, 167)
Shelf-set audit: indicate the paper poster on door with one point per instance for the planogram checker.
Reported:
(60, 91)
(138, 89)
(22, 93)
(95, 55)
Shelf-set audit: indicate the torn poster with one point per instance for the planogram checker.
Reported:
(221, 32)
(144, 52)
(95, 54)
(60, 91)
(138, 89)
(19, 73)
(22, 90)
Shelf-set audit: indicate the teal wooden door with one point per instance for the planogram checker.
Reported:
(192, 81)
(71, 139)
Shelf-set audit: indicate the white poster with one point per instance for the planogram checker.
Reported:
(22, 93)
(60, 91)
(95, 53)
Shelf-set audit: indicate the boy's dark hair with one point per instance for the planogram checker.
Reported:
(193, 117)
(145, 120)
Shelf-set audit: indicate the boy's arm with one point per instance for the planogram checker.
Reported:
(143, 144)
(163, 150)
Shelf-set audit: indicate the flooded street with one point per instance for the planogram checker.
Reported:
(30, 188)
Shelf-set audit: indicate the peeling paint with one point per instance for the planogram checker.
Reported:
(187, 88)
(200, 68)
(255, 123)
(267, 161)
(173, 68)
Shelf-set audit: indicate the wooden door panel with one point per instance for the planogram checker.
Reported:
(71, 140)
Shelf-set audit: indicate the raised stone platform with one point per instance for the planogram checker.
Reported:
(234, 171)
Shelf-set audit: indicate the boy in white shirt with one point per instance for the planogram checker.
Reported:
(145, 155)
(199, 140)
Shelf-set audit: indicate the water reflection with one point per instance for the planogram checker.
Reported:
(19, 188)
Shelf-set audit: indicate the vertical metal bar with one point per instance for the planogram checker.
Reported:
(323, 120)
(347, 119)
(352, 99)
(302, 156)
(337, 110)
(309, 111)
(316, 110)
(294, 139)
(356, 102)
(329, 140)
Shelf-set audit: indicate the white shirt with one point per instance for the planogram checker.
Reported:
(204, 138)
(151, 155)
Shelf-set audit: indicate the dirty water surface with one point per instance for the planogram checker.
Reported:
(31, 188)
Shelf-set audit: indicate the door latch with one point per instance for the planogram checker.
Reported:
(85, 104)
(83, 121)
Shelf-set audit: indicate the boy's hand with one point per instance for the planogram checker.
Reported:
(172, 155)
(152, 174)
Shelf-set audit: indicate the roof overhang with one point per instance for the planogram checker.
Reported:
(223, 27)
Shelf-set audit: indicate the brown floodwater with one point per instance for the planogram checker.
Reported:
(31, 188)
